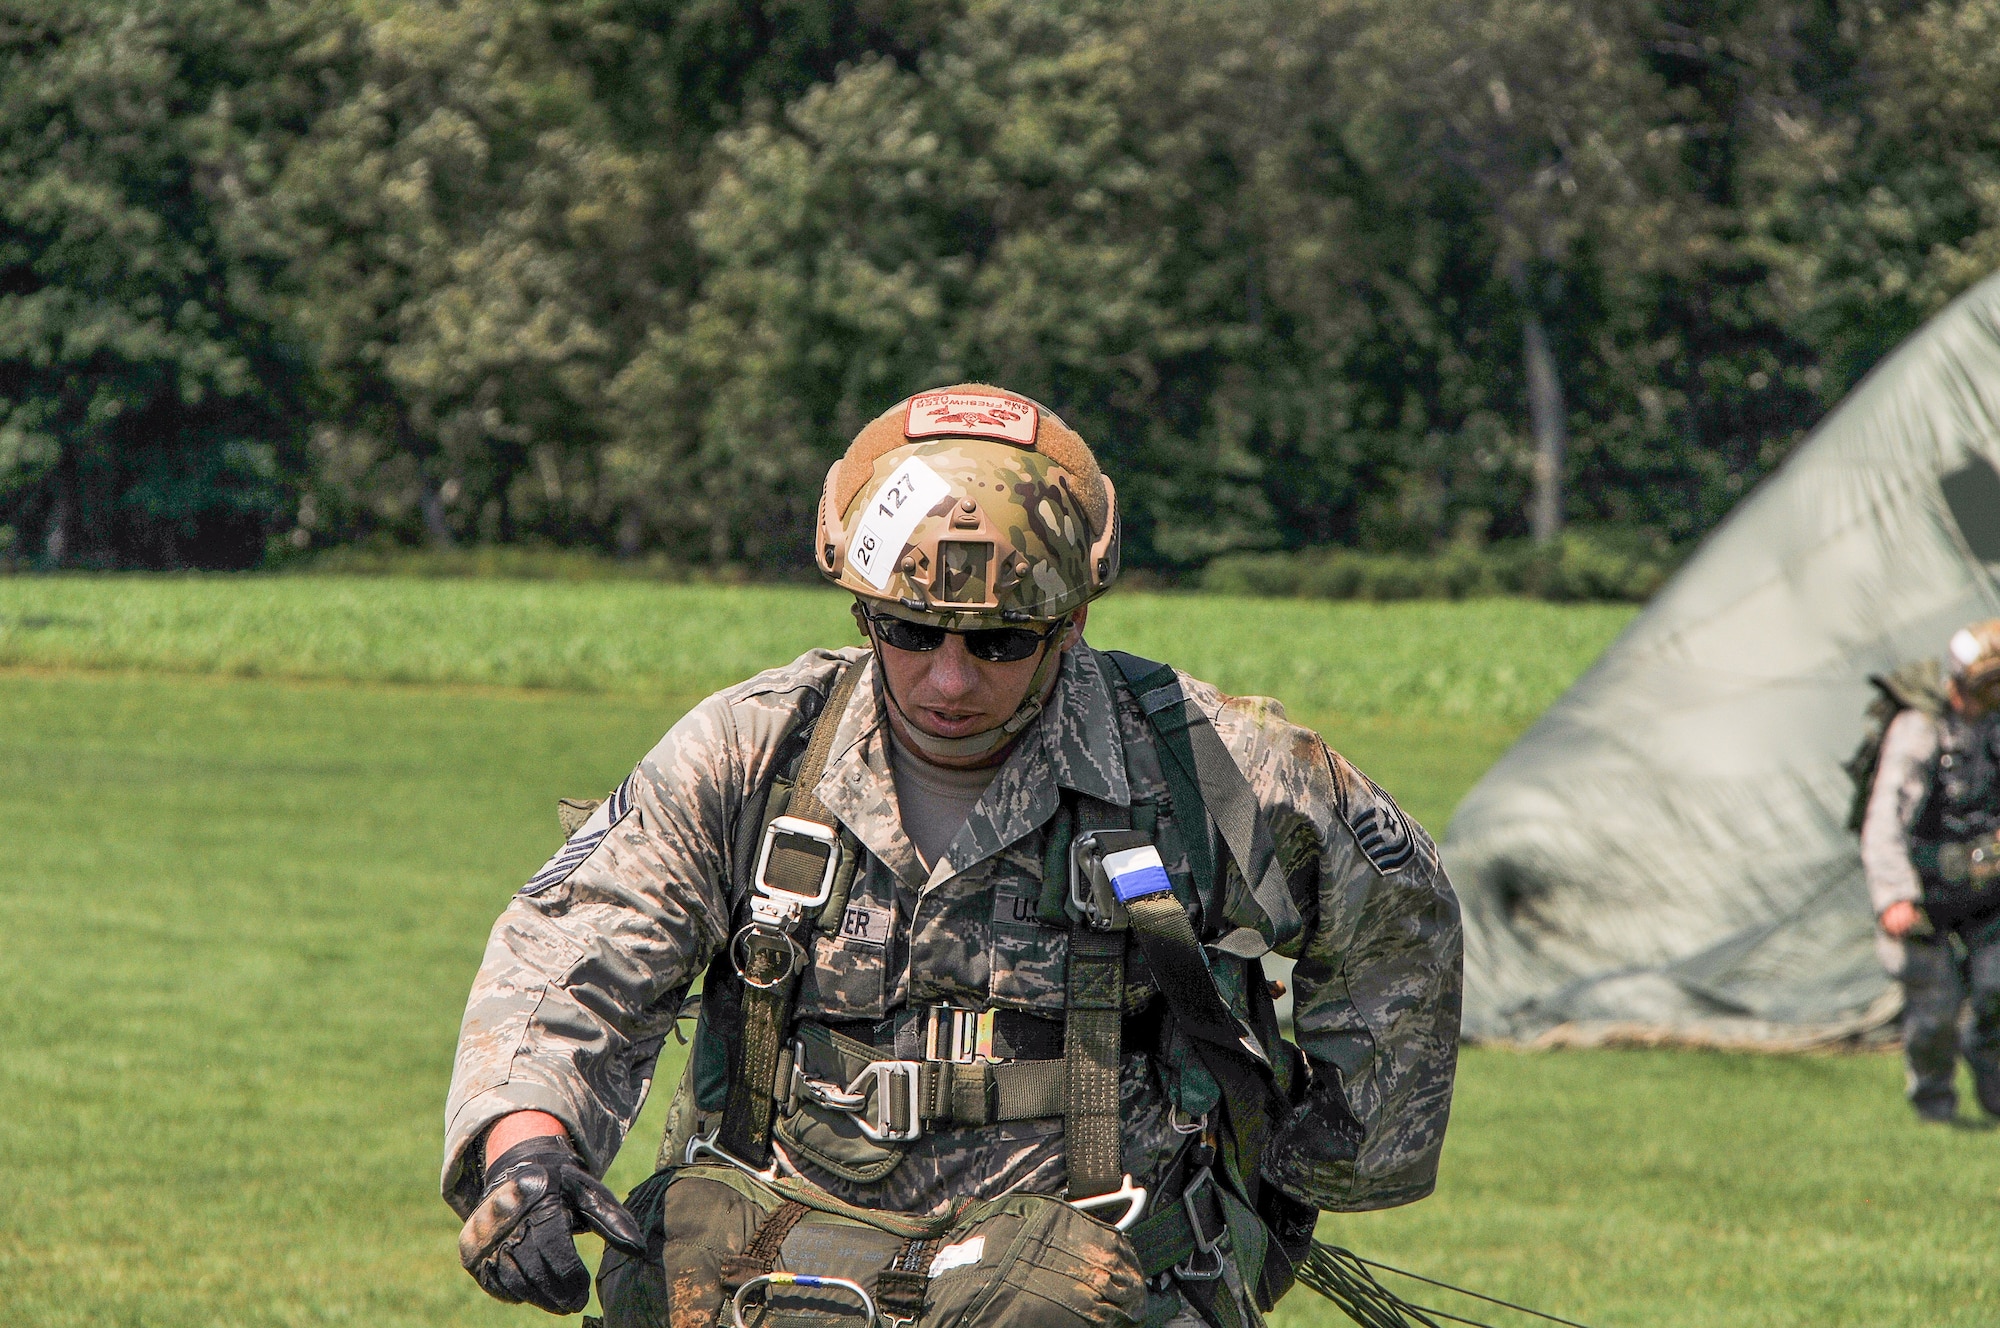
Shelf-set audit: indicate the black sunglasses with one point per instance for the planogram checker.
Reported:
(995, 645)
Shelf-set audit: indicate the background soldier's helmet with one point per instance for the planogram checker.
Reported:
(1975, 663)
(970, 506)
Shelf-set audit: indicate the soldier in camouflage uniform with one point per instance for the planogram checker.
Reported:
(1930, 846)
(968, 759)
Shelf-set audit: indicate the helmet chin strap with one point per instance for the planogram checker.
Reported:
(973, 744)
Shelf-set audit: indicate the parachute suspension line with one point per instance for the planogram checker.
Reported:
(1491, 1300)
(1344, 1278)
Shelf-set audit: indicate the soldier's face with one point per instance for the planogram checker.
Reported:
(1976, 701)
(949, 693)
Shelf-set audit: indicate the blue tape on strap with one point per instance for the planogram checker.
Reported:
(1136, 873)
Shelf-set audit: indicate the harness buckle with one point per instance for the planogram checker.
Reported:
(1192, 1269)
(818, 840)
(1093, 894)
(1132, 1196)
(876, 1118)
(819, 1091)
(953, 1034)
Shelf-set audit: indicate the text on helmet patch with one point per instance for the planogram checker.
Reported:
(892, 514)
(974, 414)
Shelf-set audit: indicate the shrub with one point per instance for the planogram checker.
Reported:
(506, 562)
(1580, 565)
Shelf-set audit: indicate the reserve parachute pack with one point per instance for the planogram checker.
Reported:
(1918, 685)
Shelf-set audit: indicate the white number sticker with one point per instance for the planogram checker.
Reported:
(885, 528)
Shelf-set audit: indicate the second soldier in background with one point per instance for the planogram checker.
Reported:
(1930, 844)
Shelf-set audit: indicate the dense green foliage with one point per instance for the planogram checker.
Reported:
(1492, 661)
(1576, 565)
(148, 415)
(625, 274)
(244, 913)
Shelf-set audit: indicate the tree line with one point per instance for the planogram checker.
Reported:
(625, 275)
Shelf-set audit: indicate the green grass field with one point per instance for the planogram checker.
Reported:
(240, 914)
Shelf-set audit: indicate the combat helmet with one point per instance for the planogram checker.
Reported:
(970, 507)
(1975, 664)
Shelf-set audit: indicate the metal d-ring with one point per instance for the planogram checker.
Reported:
(1192, 1269)
(705, 1146)
(794, 957)
(1132, 1196)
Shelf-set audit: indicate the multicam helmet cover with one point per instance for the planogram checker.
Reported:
(970, 506)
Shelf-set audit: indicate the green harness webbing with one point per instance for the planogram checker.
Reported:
(1093, 1014)
(1205, 785)
(1203, 777)
(948, 1092)
(772, 965)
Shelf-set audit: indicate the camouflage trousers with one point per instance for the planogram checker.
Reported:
(1940, 976)
(1020, 1261)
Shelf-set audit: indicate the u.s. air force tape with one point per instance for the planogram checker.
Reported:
(584, 842)
(1136, 873)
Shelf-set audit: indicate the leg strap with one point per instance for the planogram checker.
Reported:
(760, 1256)
(900, 1288)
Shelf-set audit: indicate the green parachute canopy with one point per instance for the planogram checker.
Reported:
(1665, 851)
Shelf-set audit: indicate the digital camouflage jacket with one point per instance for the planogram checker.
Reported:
(586, 968)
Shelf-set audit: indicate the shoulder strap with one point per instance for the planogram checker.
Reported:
(796, 864)
(1202, 774)
(805, 786)
(1204, 781)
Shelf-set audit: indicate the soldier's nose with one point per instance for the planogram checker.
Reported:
(954, 672)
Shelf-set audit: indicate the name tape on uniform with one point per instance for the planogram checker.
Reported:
(885, 528)
(1016, 910)
(974, 414)
(870, 926)
(1136, 873)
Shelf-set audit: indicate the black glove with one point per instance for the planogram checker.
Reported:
(517, 1243)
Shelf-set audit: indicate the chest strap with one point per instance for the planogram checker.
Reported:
(793, 879)
(946, 1032)
(896, 1100)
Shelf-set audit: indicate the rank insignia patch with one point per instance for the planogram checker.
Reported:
(1382, 832)
(584, 842)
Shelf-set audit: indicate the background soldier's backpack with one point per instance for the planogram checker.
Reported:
(1918, 685)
